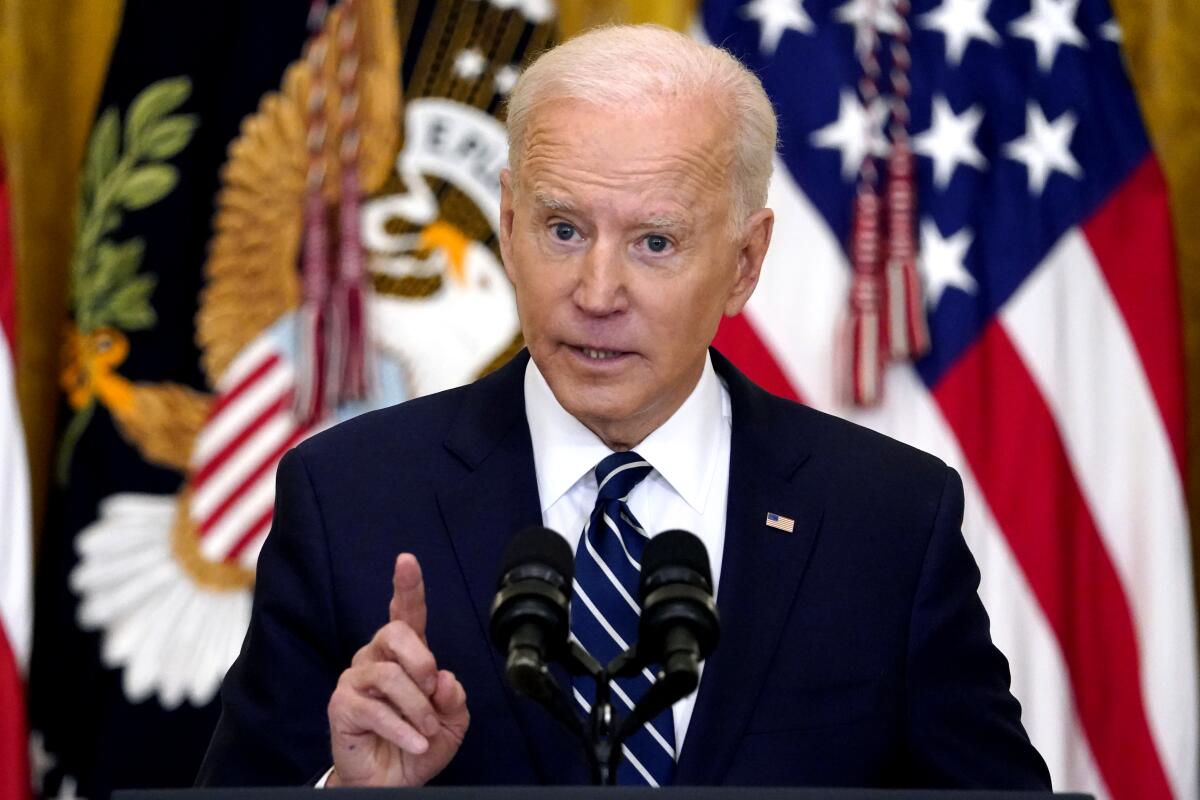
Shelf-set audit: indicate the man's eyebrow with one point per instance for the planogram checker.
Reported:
(552, 203)
(663, 223)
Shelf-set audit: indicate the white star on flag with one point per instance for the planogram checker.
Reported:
(865, 15)
(774, 17)
(1111, 31)
(469, 64)
(960, 21)
(1049, 25)
(950, 141)
(856, 132)
(1045, 147)
(941, 262)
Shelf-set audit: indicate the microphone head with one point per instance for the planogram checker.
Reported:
(532, 602)
(676, 597)
(542, 547)
(674, 557)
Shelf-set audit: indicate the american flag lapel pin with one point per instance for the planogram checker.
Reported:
(780, 523)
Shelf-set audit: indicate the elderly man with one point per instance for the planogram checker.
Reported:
(855, 649)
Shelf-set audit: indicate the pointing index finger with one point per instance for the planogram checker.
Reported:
(408, 594)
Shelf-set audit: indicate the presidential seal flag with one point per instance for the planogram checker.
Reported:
(995, 147)
(287, 216)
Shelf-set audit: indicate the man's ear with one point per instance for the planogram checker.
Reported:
(752, 249)
(506, 220)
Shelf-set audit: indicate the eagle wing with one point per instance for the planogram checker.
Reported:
(251, 271)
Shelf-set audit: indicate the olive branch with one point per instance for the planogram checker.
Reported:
(122, 172)
(105, 286)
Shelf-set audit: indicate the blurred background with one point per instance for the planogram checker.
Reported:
(187, 190)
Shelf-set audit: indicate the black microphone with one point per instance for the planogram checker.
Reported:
(530, 619)
(679, 626)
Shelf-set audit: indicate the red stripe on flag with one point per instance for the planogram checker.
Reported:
(1131, 238)
(1009, 438)
(14, 737)
(739, 342)
(225, 453)
(224, 400)
(266, 464)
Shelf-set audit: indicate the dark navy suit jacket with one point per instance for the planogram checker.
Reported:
(854, 651)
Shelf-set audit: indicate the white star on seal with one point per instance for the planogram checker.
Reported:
(1049, 25)
(856, 132)
(941, 262)
(960, 21)
(950, 141)
(773, 18)
(66, 790)
(1045, 147)
(41, 760)
(469, 64)
(535, 11)
(866, 15)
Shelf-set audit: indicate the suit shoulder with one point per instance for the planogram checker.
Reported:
(853, 453)
(864, 446)
(417, 423)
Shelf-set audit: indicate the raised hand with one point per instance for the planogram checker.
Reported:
(395, 719)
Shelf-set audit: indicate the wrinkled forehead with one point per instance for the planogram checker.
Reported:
(676, 151)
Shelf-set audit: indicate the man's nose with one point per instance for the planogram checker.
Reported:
(601, 288)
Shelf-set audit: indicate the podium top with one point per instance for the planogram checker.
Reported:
(587, 793)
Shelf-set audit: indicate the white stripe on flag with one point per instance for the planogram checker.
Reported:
(262, 445)
(248, 558)
(1071, 335)
(16, 530)
(232, 420)
(248, 360)
(239, 518)
(801, 295)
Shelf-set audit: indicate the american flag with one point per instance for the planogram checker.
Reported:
(1054, 383)
(16, 533)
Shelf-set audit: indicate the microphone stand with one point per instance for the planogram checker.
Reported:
(605, 732)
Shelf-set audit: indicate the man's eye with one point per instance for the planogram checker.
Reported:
(563, 231)
(656, 243)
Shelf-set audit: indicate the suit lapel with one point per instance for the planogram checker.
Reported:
(482, 512)
(762, 569)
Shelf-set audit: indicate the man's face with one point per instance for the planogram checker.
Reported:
(618, 242)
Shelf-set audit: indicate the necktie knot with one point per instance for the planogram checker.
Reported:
(617, 474)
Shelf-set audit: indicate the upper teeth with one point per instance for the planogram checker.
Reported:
(599, 353)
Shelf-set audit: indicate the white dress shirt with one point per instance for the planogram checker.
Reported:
(688, 487)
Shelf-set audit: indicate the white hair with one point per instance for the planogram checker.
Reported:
(618, 65)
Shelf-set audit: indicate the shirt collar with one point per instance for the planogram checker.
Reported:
(683, 450)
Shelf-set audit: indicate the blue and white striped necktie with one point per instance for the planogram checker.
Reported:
(605, 611)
